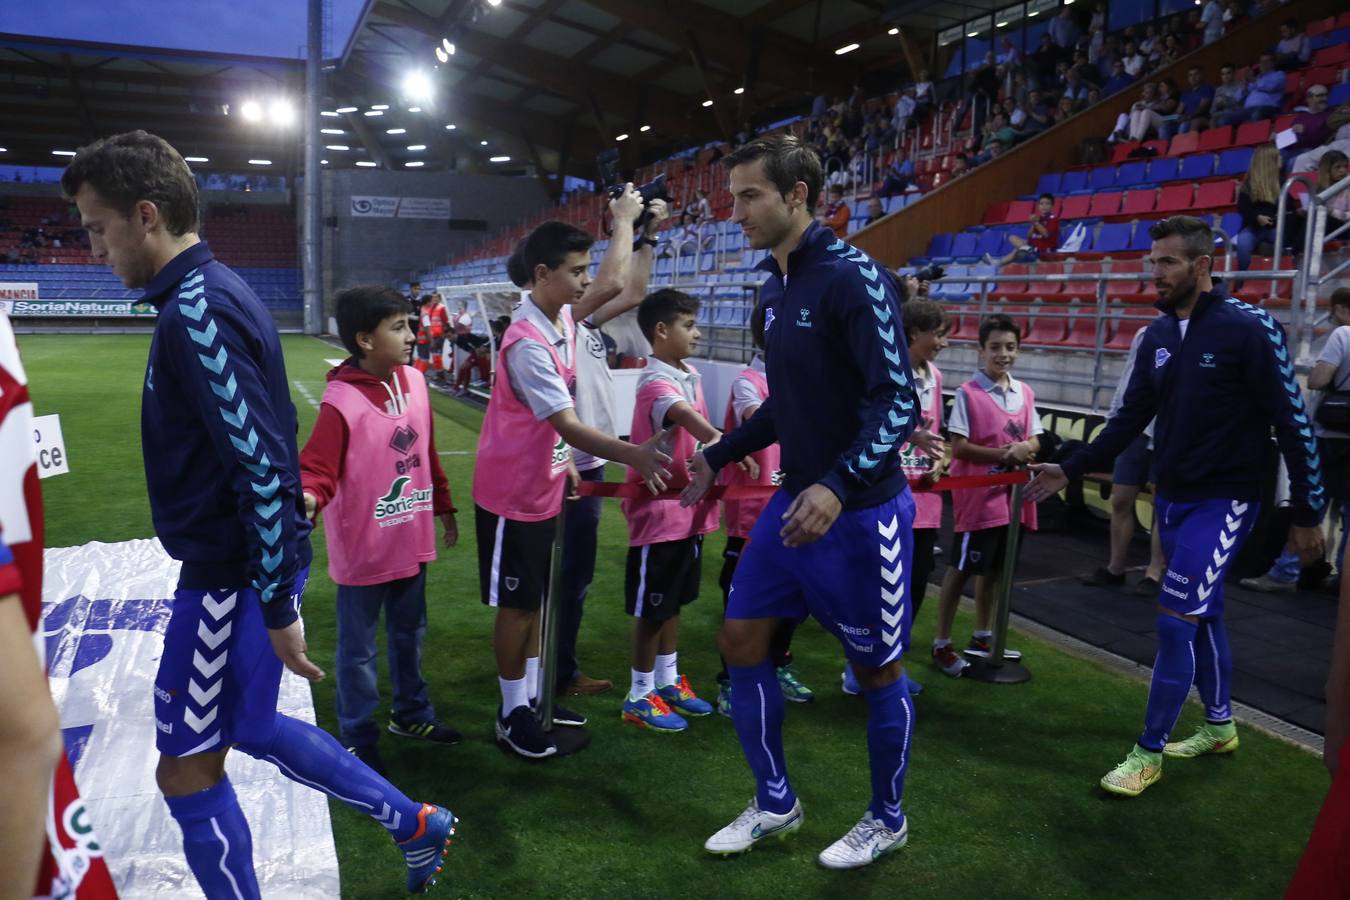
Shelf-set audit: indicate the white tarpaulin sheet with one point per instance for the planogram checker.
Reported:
(104, 611)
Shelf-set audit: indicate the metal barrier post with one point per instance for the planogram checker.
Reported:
(996, 669)
(569, 739)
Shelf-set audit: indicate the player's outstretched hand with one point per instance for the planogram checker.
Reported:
(810, 516)
(289, 645)
(929, 442)
(701, 478)
(627, 206)
(1048, 481)
(1308, 543)
(649, 459)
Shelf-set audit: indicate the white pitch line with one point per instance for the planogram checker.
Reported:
(304, 392)
(456, 452)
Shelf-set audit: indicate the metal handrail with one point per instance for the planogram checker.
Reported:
(1315, 238)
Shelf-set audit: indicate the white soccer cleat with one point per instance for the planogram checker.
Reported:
(866, 841)
(752, 826)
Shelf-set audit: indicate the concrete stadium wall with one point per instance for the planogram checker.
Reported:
(360, 250)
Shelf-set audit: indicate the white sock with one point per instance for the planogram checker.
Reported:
(513, 694)
(939, 643)
(532, 677)
(982, 635)
(667, 671)
(643, 684)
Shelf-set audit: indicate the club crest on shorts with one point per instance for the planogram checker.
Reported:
(512, 582)
(1161, 357)
(975, 556)
(656, 599)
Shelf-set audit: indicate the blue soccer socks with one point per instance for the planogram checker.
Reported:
(311, 756)
(757, 713)
(1214, 670)
(1173, 674)
(217, 842)
(890, 725)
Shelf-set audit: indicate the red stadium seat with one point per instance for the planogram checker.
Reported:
(1019, 211)
(1334, 55)
(1083, 327)
(1283, 123)
(1184, 143)
(995, 213)
(1321, 26)
(1216, 139)
(1085, 290)
(1051, 289)
(1107, 203)
(1128, 291)
(1216, 195)
(1174, 198)
(1048, 326)
(1012, 290)
(1249, 134)
(1265, 291)
(1139, 202)
(1122, 151)
(1076, 206)
(1123, 328)
(1324, 75)
(1159, 148)
(1019, 315)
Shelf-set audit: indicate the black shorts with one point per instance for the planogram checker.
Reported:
(663, 577)
(980, 552)
(513, 560)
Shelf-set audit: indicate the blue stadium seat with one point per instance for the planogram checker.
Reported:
(1235, 161)
(1049, 183)
(1142, 242)
(1074, 181)
(991, 242)
(1132, 173)
(952, 290)
(1112, 238)
(1340, 93)
(963, 245)
(1197, 167)
(1102, 177)
(1231, 223)
(1164, 168)
(940, 245)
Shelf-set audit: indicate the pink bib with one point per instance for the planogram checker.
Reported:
(521, 468)
(379, 526)
(916, 463)
(741, 514)
(658, 521)
(990, 426)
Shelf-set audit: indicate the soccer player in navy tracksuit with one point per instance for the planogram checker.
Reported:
(835, 540)
(1218, 375)
(218, 431)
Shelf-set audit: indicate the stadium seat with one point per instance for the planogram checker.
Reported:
(1339, 94)
(1141, 242)
(1085, 290)
(1122, 151)
(1019, 211)
(963, 245)
(1332, 56)
(1127, 291)
(1323, 75)
(1045, 289)
(1111, 238)
(1213, 140)
(1283, 123)
(1231, 223)
(1076, 207)
(1216, 195)
(1049, 183)
(1158, 147)
(1184, 143)
(1102, 177)
(1249, 134)
(1046, 325)
(1321, 26)
(1194, 168)
(940, 245)
(1265, 291)
(995, 213)
(1011, 290)
(1073, 181)
(1174, 198)
(1139, 202)
(1105, 204)
(1235, 161)
(1164, 169)
(991, 242)
(1082, 327)
(1132, 173)
(1019, 315)
(1123, 329)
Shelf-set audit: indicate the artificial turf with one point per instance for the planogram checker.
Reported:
(1002, 793)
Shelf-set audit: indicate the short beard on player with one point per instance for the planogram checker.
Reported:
(1180, 292)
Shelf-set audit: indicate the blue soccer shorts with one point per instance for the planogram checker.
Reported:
(218, 678)
(854, 580)
(1201, 540)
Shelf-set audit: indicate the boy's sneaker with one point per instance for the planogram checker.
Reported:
(792, 687)
(651, 712)
(946, 659)
(566, 717)
(848, 683)
(983, 649)
(1208, 738)
(522, 733)
(430, 730)
(681, 698)
(428, 845)
(369, 755)
(1139, 770)
(751, 826)
(866, 841)
(724, 699)
(1266, 585)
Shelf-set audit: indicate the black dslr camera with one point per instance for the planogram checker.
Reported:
(930, 273)
(652, 190)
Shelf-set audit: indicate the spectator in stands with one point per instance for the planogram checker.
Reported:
(1094, 96)
(1098, 20)
(1332, 372)
(1042, 237)
(1065, 110)
(1064, 29)
(1152, 111)
(1173, 49)
(999, 130)
(874, 211)
(835, 216)
(923, 96)
(1119, 79)
(1331, 168)
(415, 298)
(1036, 117)
(1193, 114)
(1311, 125)
(1134, 61)
(1211, 21)
(1151, 44)
(1044, 60)
(1256, 200)
(899, 174)
(1294, 50)
(1075, 88)
(1229, 96)
(1264, 96)
(905, 107)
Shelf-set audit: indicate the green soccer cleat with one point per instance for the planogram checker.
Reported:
(793, 690)
(1139, 770)
(1208, 738)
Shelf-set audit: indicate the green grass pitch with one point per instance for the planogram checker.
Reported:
(1002, 794)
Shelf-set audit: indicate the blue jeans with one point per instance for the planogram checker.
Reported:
(404, 603)
(578, 569)
(1245, 241)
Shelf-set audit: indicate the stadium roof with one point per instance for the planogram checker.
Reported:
(548, 82)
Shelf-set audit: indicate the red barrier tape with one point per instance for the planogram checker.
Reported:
(760, 491)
